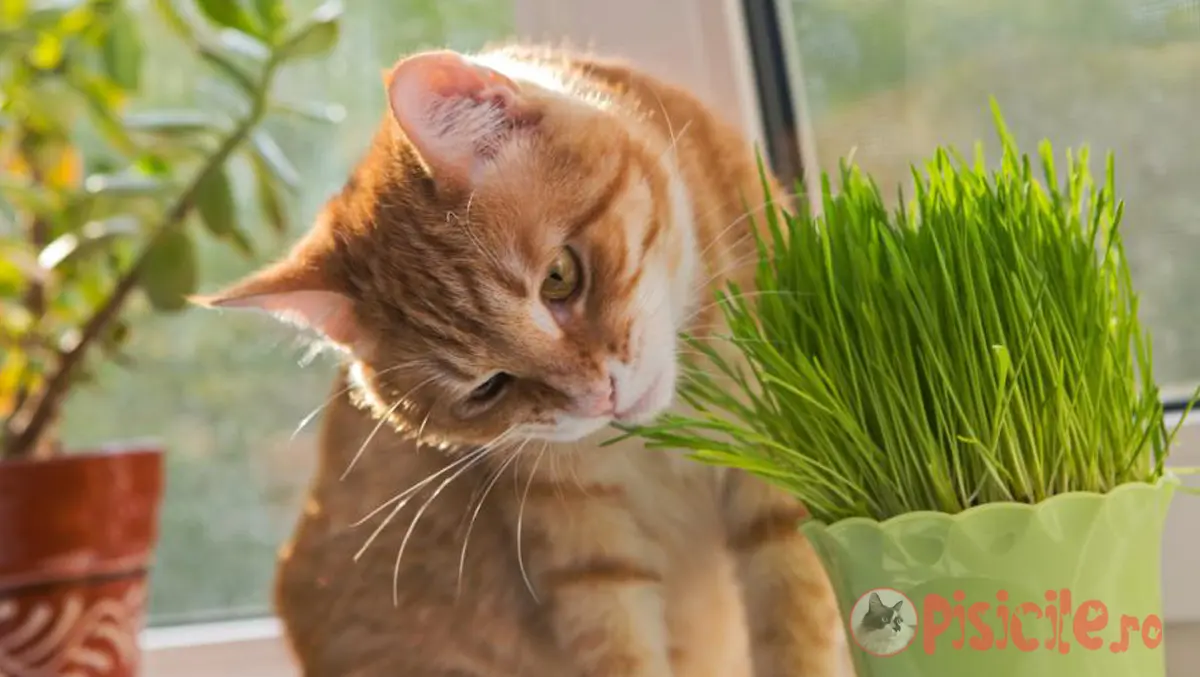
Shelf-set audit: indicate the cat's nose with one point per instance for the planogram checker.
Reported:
(598, 399)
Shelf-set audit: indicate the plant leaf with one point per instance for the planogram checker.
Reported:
(319, 111)
(268, 195)
(170, 273)
(231, 70)
(241, 44)
(269, 152)
(171, 122)
(229, 14)
(47, 54)
(122, 50)
(125, 184)
(13, 12)
(317, 36)
(26, 194)
(93, 235)
(174, 20)
(18, 266)
(214, 201)
(102, 99)
(272, 14)
(114, 338)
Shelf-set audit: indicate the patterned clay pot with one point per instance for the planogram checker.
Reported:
(77, 534)
(1069, 587)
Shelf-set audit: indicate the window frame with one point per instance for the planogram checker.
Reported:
(702, 45)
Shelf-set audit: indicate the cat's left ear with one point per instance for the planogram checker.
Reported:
(294, 293)
(456, 113)
(875, 604)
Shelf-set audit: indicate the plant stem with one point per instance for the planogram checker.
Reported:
(22, 438)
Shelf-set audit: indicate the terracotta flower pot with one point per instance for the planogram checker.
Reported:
(77, 533)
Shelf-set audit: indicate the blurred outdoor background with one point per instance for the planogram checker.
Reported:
(888, 78)
(226, 392)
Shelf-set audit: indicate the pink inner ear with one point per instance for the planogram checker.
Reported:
(457, 113)
(327, 312)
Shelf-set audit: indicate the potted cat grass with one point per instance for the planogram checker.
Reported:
(962, 394)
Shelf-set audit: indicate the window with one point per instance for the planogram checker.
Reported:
(891, 79)
(887, 81)
(809, 79)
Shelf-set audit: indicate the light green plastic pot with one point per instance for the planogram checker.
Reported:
(1104, 550)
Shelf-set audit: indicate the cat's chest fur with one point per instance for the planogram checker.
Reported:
(677, 501)
(461, 592)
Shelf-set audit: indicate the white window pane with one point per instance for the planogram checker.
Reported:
(892, 79)
(225, 394)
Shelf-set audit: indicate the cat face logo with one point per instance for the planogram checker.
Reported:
(883, 622)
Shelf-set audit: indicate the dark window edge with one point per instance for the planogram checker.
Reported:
(768, 55)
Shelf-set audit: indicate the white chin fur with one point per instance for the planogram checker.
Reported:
(567, 429)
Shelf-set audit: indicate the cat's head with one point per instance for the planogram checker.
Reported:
(509, 256)
(882, 618)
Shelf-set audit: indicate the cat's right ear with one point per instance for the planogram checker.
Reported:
(293, 293)
(455, 112)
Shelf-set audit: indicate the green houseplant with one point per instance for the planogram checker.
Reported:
(960, 391)
(100, 205)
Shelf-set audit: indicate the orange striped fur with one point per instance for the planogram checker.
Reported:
(509, 544)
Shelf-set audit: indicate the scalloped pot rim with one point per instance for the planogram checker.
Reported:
(965, 582)
(1168, 479)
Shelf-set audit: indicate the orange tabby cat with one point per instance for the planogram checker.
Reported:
(507, 271)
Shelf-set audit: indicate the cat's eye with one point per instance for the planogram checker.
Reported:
(563, 278)
(491, 388)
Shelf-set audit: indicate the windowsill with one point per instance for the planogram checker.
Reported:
(200, 634)
(248, 648)
(255, 648)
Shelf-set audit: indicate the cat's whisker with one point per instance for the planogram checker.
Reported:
(776, 201)
(727, 338)
(465, 222)
(694, 313)
(556, 475)
(729, 267)
(402, 496)
(421, 428)
(571, 455)
(401, 499)
(308, 418)
(746, 295)
(462, 558)
(724, 271)
(671, 133)
(401, 502)
(366, 442)
(675, 142)
(563, 456)
(484, 452)
(399, 505)
(521, 523)
(383, 420)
